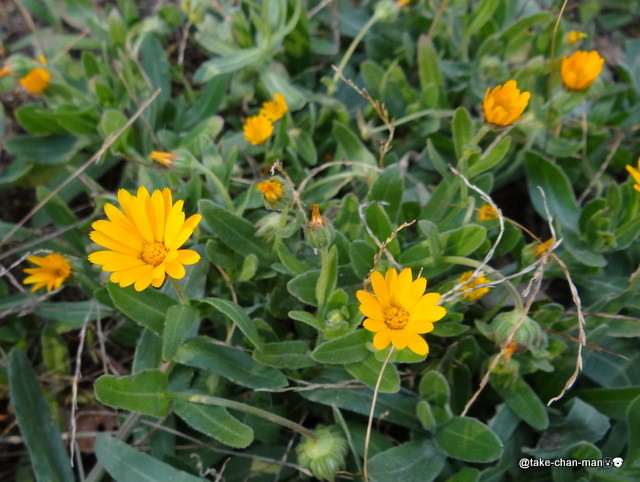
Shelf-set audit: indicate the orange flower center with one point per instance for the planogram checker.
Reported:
(396, 318)
(154, 253)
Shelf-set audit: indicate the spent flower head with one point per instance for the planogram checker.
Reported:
(51, 271)
(477, 293)
(275, 109)
(504, 104)
(143, 239)
(257, 129)
(398, 311)
(581, 69)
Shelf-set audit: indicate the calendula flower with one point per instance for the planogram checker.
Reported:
(36, 81)
(636, 175)
(164, 158)
(275, 109)
(487, 212)
(575, 36)
(504, 104)
(143, 239)
(543, 247)
(581, 69)
(398, 311)
(275, 193)
(257, 129)
(52, 270)
(477, 293)
(5, 70)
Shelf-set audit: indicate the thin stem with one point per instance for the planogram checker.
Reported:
(367, 438)
(178, 287)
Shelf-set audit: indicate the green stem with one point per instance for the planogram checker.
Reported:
(243, 407)
(216, 180)
(367, 438)
(178, 287)
(411, 117)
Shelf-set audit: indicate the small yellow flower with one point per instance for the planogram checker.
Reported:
(36, 81)
(51, 272)
(636, 175)
(164, 158)
(257, 129)
(504, 104)
(487, 212)
(272, 190)
(544, 247)
(275, 109)
(477, 293)
(143, 239)
(398, 311)
(581, 69)
(5, 71)
(575, 36)
(402, 3)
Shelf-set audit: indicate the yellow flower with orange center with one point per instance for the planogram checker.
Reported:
(257, 129)
(398, 311)
(504, 104)
(477, 293)
(164, 158)
(52, 270)
(636, 175)
(275, 109)
(143, 239)
(581, 69)
(543, 247)
(36, 81)
(575, 36)
(487, 212)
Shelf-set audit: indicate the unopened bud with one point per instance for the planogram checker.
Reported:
(527, 335)
(325, 455)
(319, 232)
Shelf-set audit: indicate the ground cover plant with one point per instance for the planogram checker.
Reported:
(320, 240)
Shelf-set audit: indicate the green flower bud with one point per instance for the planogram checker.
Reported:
(325, 455)
(318, 232)
(527, 335)
(385, 11)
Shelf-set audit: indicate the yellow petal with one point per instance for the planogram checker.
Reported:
(380, 288)
(399, 338)
(157, 208)
(144, 281)
(175, 270)
(186, 256)
(370, 306)
(419, 326)
(382, 339)
(418, 345)
(374, 325)
(413, 293)
(109, 243)
(129, 276)
(175, 222)
(112, 261)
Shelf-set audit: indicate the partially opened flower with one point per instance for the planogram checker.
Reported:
(504, 104)
(164, 158)
(487, 212)
(52, 270)
(398, 311)
(478, 292)
(581, 69)
(257, 129)
(635, 173)
(275, 109)
(143, 239)
(543, 248)
(275, 193)
(575, 36)
(36, 81)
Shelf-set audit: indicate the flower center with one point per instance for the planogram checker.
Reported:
(154, 253)
(396, 318)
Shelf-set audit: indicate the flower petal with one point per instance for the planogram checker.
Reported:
(382, 339)
(380, 288)
(374, 325)
(418, 345)
(369, 305)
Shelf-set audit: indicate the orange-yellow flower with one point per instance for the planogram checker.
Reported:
(5, 70)
(143, 239)
(402, 3)
(398, 311)
(575, 36)
(52, 270)
(164, 158)
(581, 69)
(487, 212)
(636, 175)
(477, 293)
(272, 190)
(36, 81)
(543, 247)
(275, 109)
(504, 104)
(257, 129)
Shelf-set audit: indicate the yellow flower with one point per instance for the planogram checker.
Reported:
(164, 158)
(257, 129)
(275, 109)
(402, 3)
(477, 293)
(143, 239)
(398, 311)
(487, 212)
(5, 70)
(575, 36)
(544, 247)
(36, 81)
(51, 272)
(636, 175)
(504, 104)
(272, 190)
(579, 70)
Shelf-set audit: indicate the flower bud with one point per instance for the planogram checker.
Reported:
(324, 455)
(385, 11)
(527, 335)
(319, 232)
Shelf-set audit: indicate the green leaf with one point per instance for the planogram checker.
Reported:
(425, 415)
(276, 82)
(349, 348)
(464, 240)
(148, 308)
(126, 464)
(233, 364)
(53, 149)
(361, 255)
(613, 402)
(368, 370)
(328, 275)
(434, 388)
(354, 149)
(39, 432)
(388, 188)
(381, 226)
(228, 63)
(482, 13)
(292, 354)
(208, 101)
(248, 269)
(305, 317)
(292, 263)
(521, 398)
(180, 319)
(303, 287)
(468, 439)
(491, 158)
(418, 461)
(429, 67)
(467, 474)
(54, 352)
(144, 392)
(633, 421)
(214, 422)
(148, 354)
(112, 120)
(462, 130)
(238, 316)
